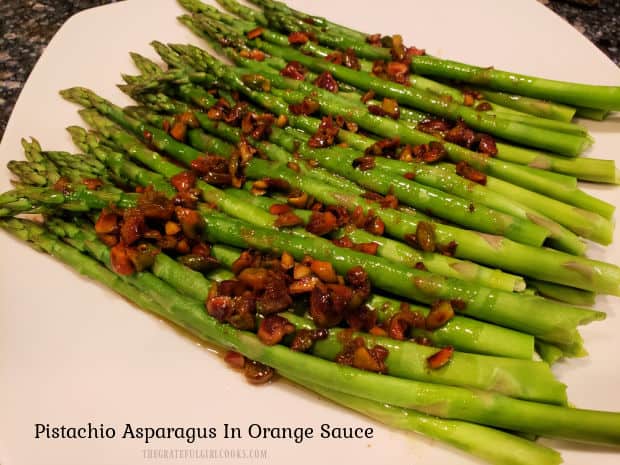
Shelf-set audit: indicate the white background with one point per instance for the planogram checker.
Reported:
(72, 352)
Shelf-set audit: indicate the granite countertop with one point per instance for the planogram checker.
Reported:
(28, 25)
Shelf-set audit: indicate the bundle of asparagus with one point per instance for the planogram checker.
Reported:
(390, 254)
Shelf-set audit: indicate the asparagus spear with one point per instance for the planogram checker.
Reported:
(77, 198)
(569, 194)
(401, 253)
(592, 113)
(445, 181)
(462, 333)
(144, 64)
(504, 151)
(543, 264)
(383, 305)
(388, 128)
(516, 378)
(452, 333)
(158, 138)
(592, 96)
(82, 195)
(548, 326)
(566, 214)
(249, 24)
(587, 169)
(28, 173)
(310, 48)
(565, 144)
(197, 138)
(470, 335)
(452, 208)
(579, 221)
(599, 97)
(562, 293)
(434, 262)
(255, 16)
(543, 108)
(565, 338)
(393, 224)
(37, 170)
(462, 435)
(162, 304)
(394, 278)
(548, 352)
(522, 176)
(448, 402)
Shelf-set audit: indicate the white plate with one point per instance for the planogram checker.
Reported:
(71, 352)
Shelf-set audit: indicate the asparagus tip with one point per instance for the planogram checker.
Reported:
(79, 95)
(126, 88)
(78, 135)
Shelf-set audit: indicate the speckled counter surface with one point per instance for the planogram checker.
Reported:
(26, 26)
